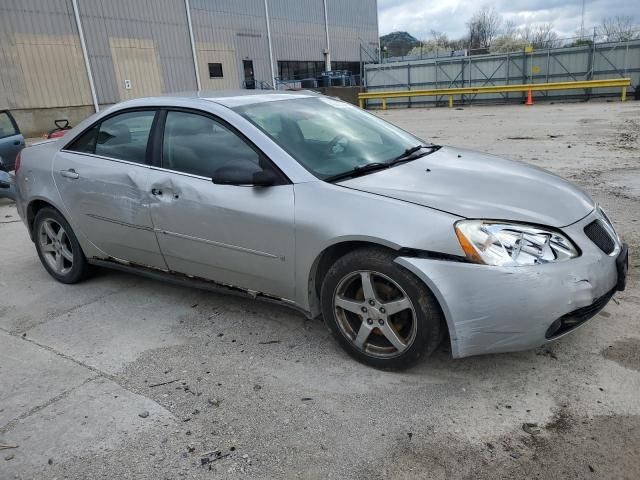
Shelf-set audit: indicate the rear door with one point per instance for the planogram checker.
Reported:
(237, 235)
(11, 141)
(103, 179)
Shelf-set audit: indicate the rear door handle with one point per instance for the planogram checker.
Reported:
(71, 173)
(17, 142)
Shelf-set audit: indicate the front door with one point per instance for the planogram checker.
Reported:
(241, 236)
(103, 180)
(249, 77)
(11, 141)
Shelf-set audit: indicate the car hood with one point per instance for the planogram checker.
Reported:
(477, 185)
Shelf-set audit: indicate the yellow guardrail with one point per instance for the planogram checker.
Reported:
(526, 87)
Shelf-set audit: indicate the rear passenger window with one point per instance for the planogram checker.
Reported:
(200, 145)
(125, 136)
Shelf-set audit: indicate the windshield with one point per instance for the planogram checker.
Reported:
(329, 137)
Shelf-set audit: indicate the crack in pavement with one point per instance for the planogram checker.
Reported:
(62, 355)
(57, 314)
(99, 374)
(12, 423)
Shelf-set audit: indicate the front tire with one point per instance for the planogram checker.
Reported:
(379, 312)
(58, 247)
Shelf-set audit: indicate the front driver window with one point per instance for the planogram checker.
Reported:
(199, 145)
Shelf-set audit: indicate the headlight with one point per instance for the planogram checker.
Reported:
(511, 244)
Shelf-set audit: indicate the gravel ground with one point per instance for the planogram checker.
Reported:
(122, 377)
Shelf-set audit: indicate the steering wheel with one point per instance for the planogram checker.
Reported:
(334, 142)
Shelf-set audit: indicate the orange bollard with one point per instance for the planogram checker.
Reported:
(529, 98)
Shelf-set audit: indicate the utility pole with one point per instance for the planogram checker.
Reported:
(582, 22)
(327, 54)
(266, 15)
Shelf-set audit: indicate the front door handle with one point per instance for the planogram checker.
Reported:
(157, 192)
(71, 173)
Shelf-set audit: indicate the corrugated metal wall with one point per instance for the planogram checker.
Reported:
(297, 30)
(352, 24)
(235, 26)
(146, 42)
(609, 60)
(40, 57)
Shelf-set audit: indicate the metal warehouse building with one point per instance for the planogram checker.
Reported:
(65, 58)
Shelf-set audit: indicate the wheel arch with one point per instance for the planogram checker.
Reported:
(34, 206)
(327, 257)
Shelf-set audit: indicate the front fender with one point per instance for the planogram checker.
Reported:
(327, 215)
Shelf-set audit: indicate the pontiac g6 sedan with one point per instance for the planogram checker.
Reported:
(308, 201)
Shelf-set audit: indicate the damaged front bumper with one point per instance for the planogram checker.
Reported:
(492, 309)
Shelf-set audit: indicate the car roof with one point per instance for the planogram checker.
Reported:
(227, 98)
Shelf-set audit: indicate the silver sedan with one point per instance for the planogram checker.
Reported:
(308, 201)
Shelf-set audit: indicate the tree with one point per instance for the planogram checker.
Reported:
(439, 42)
(541, 36)
(513, 39)
(619, 29)
(398, 44)
(508, 43)
(484, 27)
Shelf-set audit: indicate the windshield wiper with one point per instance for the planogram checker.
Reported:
(356, 171)
(410, 154)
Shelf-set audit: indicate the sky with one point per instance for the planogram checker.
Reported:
(419, 17)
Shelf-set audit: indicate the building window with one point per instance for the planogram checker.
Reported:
(352, 67)
(215, 70)
(299, 69)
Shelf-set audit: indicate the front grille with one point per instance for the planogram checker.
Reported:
(571, 320)
(600, 236)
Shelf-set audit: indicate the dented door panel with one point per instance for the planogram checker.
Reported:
(237, 235)
(107, 200)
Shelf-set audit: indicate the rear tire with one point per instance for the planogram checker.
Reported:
(391, 324)
(58, 247)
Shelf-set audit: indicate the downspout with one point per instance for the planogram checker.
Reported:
(193, 45)
(378, 34)
(85, 55)
(266, 15)
(327, 57)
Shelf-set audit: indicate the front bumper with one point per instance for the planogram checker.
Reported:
(492, 309)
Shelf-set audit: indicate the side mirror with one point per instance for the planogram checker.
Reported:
(238, 175)
(264, 178)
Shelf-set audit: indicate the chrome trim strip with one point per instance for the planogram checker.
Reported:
(102, 157)
(184, 174)
(143, 165)
(119, 222)
(220, 244)
(188, 237)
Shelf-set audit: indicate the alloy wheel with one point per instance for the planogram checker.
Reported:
(56, 246)
(375, 314)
